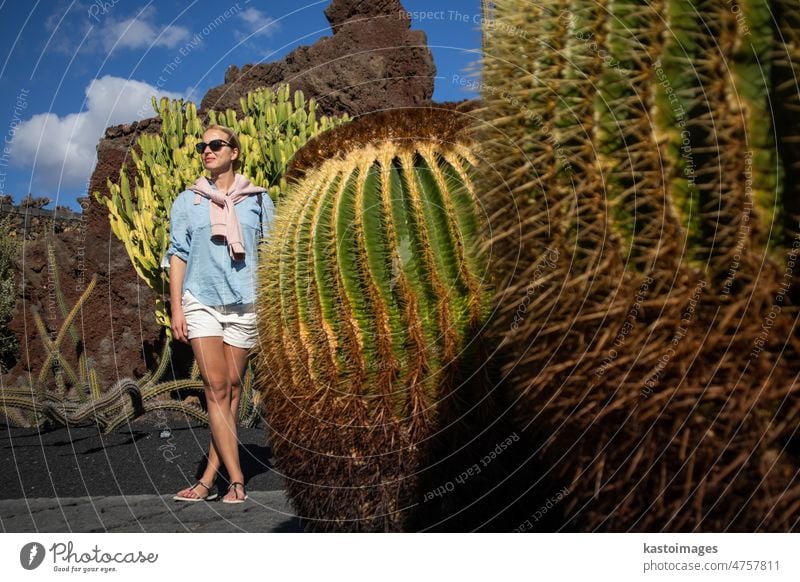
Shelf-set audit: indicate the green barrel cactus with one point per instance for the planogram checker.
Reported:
(273, 127)
(371, 293)
(637, 164)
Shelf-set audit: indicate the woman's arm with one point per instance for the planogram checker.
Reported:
(177, 270)
(176, 258)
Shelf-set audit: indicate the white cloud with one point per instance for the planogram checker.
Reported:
(141, 32)
(60, 151)
(256, 23)
(78, 28)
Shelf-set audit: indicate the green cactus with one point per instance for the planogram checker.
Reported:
(371, 293)
(636, 141)
(9, 246)
(786, 103)
(63, 395)
(273, 128)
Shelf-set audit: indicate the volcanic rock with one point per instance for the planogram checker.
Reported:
(372, 62)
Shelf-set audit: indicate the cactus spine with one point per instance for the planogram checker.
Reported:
(371, 292)
(636, 139)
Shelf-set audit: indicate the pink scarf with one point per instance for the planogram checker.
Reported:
(224, 221)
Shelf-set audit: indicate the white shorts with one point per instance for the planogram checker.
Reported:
(236, 326)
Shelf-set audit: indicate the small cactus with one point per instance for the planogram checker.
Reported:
(63, 395)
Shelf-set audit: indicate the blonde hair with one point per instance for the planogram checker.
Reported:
(232, 139)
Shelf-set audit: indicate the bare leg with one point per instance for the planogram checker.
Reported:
(213, 465)
(236, 364)
(222, 397)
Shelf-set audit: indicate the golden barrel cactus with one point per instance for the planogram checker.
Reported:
(371, 293)
(637, 164)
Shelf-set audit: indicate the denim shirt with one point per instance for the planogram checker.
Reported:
(212, 276)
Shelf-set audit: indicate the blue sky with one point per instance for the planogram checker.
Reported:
(70, 68)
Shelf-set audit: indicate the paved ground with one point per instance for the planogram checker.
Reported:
(264, 511)
(81, 480)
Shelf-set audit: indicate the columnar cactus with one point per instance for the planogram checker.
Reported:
(272, 129)
(69, 394)
(371, 294)
(634, 143)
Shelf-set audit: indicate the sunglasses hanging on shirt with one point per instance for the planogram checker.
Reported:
(214, 144)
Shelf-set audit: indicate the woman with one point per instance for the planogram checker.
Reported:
(214, 231)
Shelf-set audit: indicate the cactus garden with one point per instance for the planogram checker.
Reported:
(569, 305)
(643, 243)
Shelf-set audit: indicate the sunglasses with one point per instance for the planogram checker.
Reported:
(214, 144)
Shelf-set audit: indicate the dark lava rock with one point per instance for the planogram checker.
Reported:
(372, 62)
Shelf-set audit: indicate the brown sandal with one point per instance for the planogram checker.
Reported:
(238, 499)
(209, 496)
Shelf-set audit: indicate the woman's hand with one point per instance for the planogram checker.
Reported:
(180, 331)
